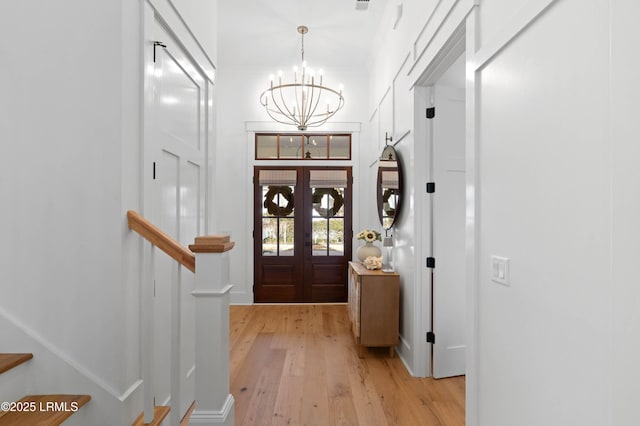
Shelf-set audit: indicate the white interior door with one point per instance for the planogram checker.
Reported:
(166, 272)
(449, 292)
(178, 152)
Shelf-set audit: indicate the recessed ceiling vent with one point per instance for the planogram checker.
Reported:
(362, 4)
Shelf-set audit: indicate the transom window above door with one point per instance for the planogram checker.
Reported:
(306, 146)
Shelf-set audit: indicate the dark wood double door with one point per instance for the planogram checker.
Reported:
(302, 233)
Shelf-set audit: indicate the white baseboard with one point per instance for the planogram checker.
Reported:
(225, 416)
(404, 353)
(13, 383)
(241, 298)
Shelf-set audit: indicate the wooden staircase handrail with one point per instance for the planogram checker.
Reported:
(162, 240)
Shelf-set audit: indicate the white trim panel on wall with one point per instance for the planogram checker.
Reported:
(402, 102)
(511, 29)
(536, 89)
(174, 20)
(434, 40)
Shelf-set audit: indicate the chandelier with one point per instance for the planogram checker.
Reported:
(306, 102)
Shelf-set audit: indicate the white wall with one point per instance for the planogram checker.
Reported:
(238, 91)
(70, 123)
(559, 197)
(545, 203)
(200, 16)
(63, 132)
(556, 157)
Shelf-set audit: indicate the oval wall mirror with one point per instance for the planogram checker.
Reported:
(389, 187)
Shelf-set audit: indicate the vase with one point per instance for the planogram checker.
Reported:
(368, 249)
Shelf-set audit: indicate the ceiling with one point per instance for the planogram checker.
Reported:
(262, 33)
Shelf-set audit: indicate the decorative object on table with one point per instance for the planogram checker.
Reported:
(387, 244)
(368, 249)
(298, 102)
(372, 263)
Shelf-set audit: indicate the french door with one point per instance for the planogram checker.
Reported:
(302, 233)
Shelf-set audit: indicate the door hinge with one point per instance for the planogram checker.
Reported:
(431, 262)
(154, 170)
(431, 187)
(431, 337)
(156, 44)
(431, 112)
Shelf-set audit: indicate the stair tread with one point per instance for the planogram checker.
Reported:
(159, 413)
(43, 410)
(8, 361)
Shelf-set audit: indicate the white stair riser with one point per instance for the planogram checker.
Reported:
(13, 383)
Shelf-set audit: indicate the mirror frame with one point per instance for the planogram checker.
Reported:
(389, 155)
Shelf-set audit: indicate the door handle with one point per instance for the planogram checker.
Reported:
(307, 244)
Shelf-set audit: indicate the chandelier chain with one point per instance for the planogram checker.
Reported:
(302, 45)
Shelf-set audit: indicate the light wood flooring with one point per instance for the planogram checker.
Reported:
(298, 365)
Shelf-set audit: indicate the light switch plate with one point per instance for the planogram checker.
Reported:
(500, 270)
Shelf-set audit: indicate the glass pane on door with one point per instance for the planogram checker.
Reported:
(336, 236)
(278, 216)
(328, 221)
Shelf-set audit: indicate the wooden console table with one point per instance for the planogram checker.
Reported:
(374, 298)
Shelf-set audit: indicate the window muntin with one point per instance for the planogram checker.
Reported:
(327, 214)
(278, 211)
(307, 146)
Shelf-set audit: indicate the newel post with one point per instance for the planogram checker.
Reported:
(214, 404)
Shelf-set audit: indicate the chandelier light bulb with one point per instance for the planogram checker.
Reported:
(303, 110)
